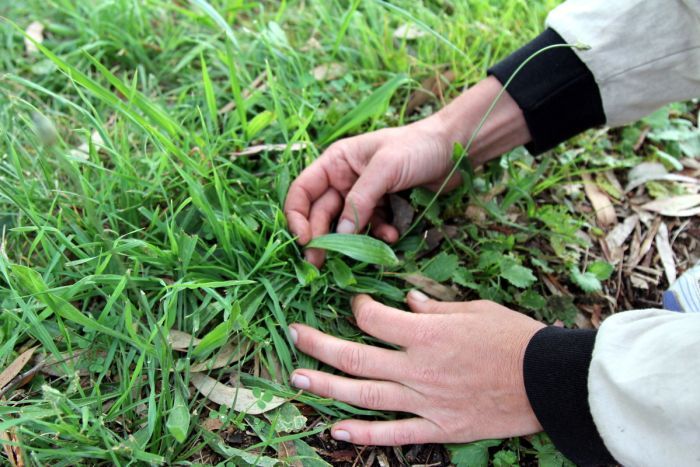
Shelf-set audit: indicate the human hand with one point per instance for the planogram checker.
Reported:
(353, 176)
(460, 371)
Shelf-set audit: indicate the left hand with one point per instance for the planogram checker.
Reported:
(460, 371)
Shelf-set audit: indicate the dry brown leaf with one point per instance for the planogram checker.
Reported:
(287, 453)
(212, 424)
(228, 354)
(53, 366)
(239, 399)
(634, 260)
(35, 30)
(617, 236)
(675, 206)
(251, 150)
(12, 451)
(409, 31)
(383, 460)
(83, 151)
(612, 179)
(663, 246)
(604, 210)
(328, 71)
(653, 171)
(431, 287)
(179, 340)
(14, 368)
(258, 84)
(431, 87)
(402, 213)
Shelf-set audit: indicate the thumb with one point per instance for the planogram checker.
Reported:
(362, 199)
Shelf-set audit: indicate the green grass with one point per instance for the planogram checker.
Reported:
(159, 227)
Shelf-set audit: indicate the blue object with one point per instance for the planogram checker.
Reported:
(684, 294)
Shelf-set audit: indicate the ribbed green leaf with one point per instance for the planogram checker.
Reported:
(359, 247)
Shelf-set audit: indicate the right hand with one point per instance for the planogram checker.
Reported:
(354, 175)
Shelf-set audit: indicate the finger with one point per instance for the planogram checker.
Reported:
(384, 322)
(382, 229)
(391, 433)
(452, 183)
(307, 188)
(421, 303)
(373, 395)
(350, 357)
(364, 196)
(335, 168)
(323, 211)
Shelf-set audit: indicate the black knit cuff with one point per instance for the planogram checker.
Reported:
(556, 380)
(555, 90)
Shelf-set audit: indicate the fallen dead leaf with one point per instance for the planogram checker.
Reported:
(328, 71)
(604, 210)
(238, 398)
(675, 206)
(14, 368)
(249, 151)
(663, 246)
(653, 171)
(179, 340)
(431, 287)
(402, 213)
(430, 88)
(634, 260)
(383, 460)
(212, 424)
(409, 31)
(258, 84)
(229, 353)
(287, 453)
(83, 151)
(617, 236)
(11, 448)
(53, 366)
(35, 30)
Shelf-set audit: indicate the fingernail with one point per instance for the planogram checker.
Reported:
(341, 435)
(418, 296)
(345, 227)
(301, 381)
(293, 334)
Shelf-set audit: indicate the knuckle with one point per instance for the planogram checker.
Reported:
(359, 200)
(339, 149)
(364, 314)
(401, 437)
(326, 389)
(350, 359)
(371, 396)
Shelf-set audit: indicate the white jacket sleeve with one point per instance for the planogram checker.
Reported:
(644, 387)
(644, 53)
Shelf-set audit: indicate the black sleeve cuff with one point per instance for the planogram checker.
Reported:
(556, 380)
(557, 93)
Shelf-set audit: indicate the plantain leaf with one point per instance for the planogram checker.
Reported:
(359, 247)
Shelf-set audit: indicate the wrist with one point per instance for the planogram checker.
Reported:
(528, 420)
(504, 129)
